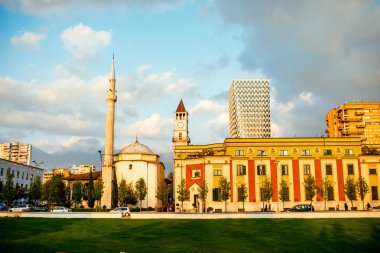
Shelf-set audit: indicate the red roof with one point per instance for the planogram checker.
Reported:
(181, 107)
(83, 176)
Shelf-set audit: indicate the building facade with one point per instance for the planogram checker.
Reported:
(81, 169)
(249, 109)
(137, 161)
(16, 152)
(23, 175)
(250, 161)
(356, 119)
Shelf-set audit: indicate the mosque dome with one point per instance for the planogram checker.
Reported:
(136, 148)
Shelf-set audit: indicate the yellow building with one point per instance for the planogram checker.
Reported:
(250, 161)
(356, 119)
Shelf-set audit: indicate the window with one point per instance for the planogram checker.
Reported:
(374, 193)
(2, 171)
(130, 166)
(22, 175)
(239, 152)
(375, 110)
(368, 123)
(348, 152)
(367, 117)
(13, 173)
(18, 174)
(327, 152)
(180, 136)
(350, 169)
(328, 169)
(305, 152)
(217, 172)
(261, 152)
(261, 170)
(26, 187)
(196, 173)
(241, 170)
(306, 169)
(31, 177)
(284, 152)
(216, 194)
(372, 171)
(330, 193)
(284, 170)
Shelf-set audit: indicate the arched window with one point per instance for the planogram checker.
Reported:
(180, 136)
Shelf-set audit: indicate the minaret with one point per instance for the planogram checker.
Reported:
(108, 166)
(181, 133)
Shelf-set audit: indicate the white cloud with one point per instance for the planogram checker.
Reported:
(28, 40)
(141, 69)
(154, 127)
(307, 96)
(83, 42)
(50, 7)
(208, 106)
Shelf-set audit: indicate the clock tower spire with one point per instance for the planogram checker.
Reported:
(181, 133)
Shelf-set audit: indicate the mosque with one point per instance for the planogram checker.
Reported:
(133, 162)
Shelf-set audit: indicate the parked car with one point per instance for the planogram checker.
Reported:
(123, 210)
(61, 209)
(41, 208)
(22, 208)
(3, 207)
(375, 208)
(301, 208)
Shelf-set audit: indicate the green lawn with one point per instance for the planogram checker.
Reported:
(232, 235)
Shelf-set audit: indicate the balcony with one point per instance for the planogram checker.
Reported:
(351, 119)
(353, 131)
(360, 125)
(359, 113)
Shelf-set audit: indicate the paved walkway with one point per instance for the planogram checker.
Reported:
(155, 215)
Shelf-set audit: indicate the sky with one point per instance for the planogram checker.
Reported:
(56, 57)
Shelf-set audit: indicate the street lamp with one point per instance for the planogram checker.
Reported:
(101, 158)
(37, 164)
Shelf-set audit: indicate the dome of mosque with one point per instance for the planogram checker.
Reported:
(136, 148)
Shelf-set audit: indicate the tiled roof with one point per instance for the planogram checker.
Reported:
(83, 176)
(181, 107)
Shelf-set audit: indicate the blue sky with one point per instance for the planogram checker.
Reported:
(56, 58)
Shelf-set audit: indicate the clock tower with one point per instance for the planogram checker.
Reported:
(181, 133)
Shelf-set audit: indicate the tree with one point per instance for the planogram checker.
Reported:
(243, 193)
(53, 191)
(35, 189)
(267, 190)
(98, 190)
(122, 192)
(131, 195)
(77, 192)
(114, 193)
(141, 190)
(162, 194)
(350, 189)
(310, 188)
(283, 192)
(9, 191)
(203, 191)
(362, 188)
(224, 186)
(90, 198)
(183, 192)
(323, 190)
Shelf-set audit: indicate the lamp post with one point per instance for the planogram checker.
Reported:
(101, 158)
(37, 164)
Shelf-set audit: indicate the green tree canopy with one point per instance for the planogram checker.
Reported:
(35, 190)
(162, 194)
(122, 192)
(77, 192)
(350, 189)
(203, 191)
(9, 192)
(362, 188)
(90, 198)
(243, 193)
(53, 191)
(310, 187)
(323, 190)
(224, 186)
(182, 192)
(267, 190)
(141, 190)
(98, 190)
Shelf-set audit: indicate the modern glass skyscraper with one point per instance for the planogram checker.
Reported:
(249, 106)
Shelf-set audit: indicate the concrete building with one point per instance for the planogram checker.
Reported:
(250, 161)
(249, 109)
(16, 152)
(356, 119)
(81, 169)
(137, 161)
(23, 175)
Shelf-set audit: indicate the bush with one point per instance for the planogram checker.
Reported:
(81, 206)
(210, 209)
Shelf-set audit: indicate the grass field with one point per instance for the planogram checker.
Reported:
(232, 235)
